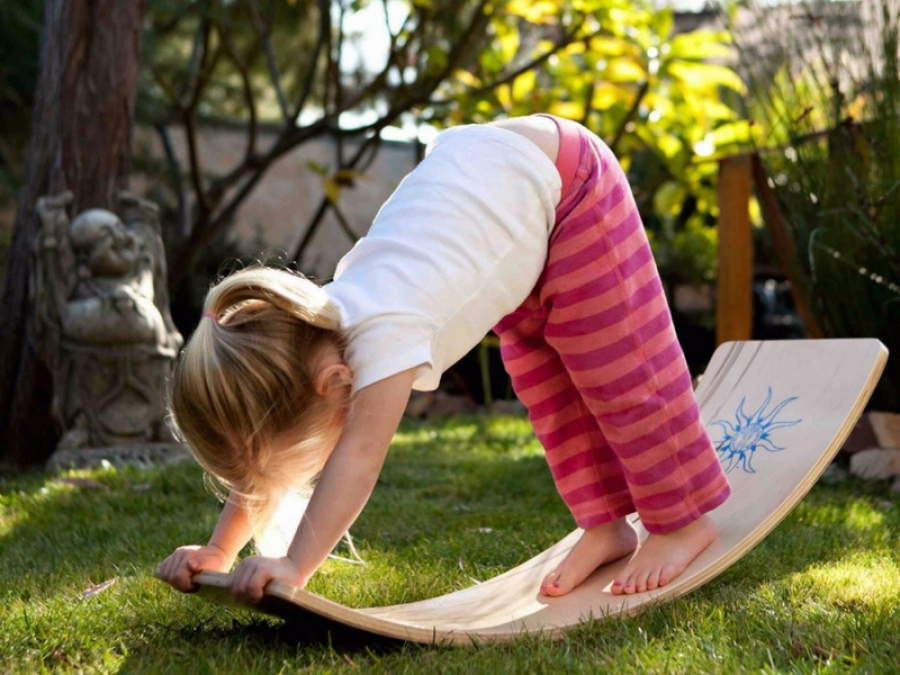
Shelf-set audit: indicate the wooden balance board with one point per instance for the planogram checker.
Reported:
(777, 413)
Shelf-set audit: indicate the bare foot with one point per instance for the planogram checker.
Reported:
(597, 546)
(662, 557)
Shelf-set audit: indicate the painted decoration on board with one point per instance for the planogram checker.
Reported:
(749, 433)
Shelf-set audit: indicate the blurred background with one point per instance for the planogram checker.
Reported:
(762, 142)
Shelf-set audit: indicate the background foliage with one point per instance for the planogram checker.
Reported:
(829, 100)
(312, 67)
(663, 100)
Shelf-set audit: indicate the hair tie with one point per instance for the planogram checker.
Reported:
(208, 315)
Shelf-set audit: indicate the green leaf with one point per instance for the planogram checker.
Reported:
(569, 109)
(706, 76)
(668, 199)
(534, 11)
(625, 70)
(732, 133)
(700, 45)
(317, 168)
(523, 85)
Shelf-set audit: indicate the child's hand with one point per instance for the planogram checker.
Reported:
(249, 580)
(186, 561)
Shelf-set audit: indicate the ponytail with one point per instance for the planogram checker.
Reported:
(289, 292)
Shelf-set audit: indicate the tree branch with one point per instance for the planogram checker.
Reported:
(184, 224)
(562, 42)
(249, 100)
(324, 30)
(198, 54)
(342, 221)
(620, 132)
(269, 52)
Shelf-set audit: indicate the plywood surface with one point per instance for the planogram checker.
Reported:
(777, 413)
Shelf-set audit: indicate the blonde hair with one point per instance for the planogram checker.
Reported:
(243, 396)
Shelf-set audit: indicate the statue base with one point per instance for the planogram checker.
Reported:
(139, 455)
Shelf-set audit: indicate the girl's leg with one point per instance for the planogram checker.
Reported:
(588, 475)
(609, 322)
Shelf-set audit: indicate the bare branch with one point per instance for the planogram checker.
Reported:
(623, 127)
(166, 87)
(249, 99)
(265, 40)
(324, 31)
(339, 55)
(561, 43)
(198, 54)
(342, 221)
(190, 131)
(184, 224)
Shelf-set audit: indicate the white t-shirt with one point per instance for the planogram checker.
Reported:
(459, 245)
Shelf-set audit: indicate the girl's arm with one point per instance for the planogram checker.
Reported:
(231, 534)
(232, 531)
(342, 491)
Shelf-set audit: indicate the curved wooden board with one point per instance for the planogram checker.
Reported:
(801, 396)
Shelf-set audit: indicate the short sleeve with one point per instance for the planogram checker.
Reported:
(385, 345)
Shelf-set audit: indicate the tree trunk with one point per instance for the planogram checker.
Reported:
(81, 133)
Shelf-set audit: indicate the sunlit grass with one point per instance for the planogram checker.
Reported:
(459, 501)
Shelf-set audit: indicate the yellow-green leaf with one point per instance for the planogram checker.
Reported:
(612, 46)
(668, 198)
(504, 96)
(568, 109)
(468, 79)
(607, 95)
(706, 75)
(624, 70)
(534, 11)
(669, 144)
(509, 45)
(699, 45)
(523, 85)
(731, 133)
(332, 189)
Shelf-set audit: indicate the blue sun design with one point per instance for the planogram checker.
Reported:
(750, 433)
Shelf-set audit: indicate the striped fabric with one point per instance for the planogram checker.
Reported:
(593, 355)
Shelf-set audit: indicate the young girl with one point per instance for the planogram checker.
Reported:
(527, 226)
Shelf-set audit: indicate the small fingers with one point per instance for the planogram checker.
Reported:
(173, 570)
(183, 576)
(256, 585)
(242, 581)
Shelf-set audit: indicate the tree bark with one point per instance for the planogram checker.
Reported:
(81, 133)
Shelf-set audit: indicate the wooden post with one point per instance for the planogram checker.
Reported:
(734, 303)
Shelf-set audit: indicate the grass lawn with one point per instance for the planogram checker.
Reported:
(458, 501)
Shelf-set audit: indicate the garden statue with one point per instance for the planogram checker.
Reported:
(103, 327)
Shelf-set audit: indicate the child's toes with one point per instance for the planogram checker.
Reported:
(641, 582)
(624, 585)
(555, 584)
(653, 580)
(618, 586)
(666, 574)
(549, 580)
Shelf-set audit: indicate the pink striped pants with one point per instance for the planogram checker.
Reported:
(593, 355)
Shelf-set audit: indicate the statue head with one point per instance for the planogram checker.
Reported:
(103, 244)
